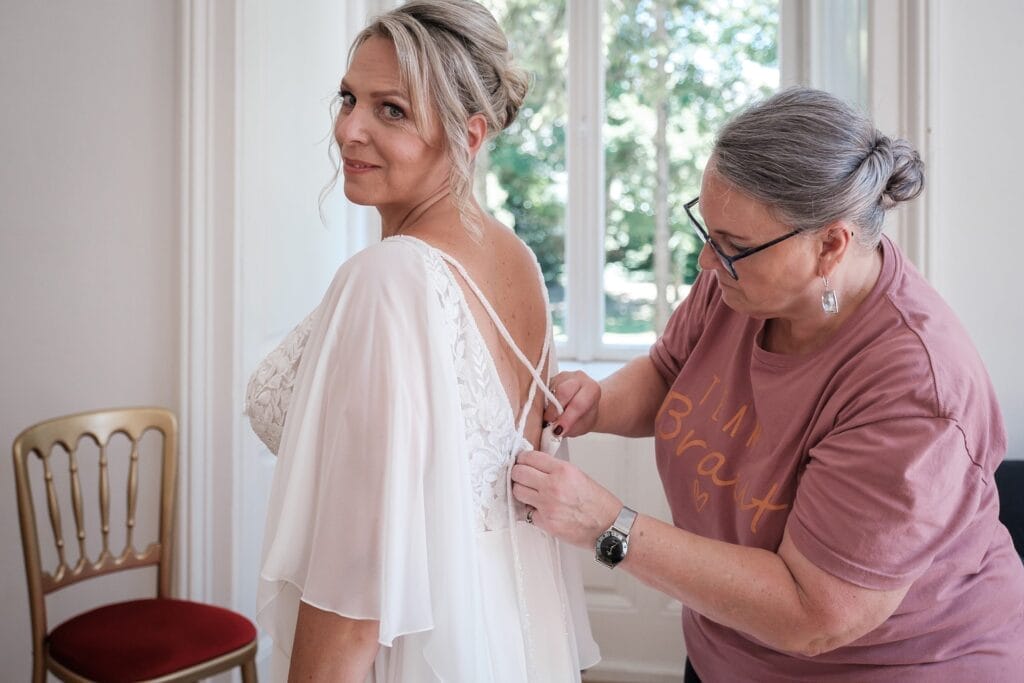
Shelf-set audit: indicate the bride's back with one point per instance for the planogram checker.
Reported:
(506, 271)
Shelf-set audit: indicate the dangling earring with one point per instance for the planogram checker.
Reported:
(829, 300)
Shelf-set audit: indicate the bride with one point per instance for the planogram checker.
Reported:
(393, 550)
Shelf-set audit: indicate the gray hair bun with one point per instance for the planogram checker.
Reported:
(905, 170)
(815, 160)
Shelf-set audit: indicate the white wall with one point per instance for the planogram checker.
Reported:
(976, 185)
(89, 195)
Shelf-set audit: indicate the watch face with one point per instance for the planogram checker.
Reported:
(612, 548)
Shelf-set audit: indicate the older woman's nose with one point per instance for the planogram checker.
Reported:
(708, 259)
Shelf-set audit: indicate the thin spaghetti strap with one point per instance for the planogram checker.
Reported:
(544, 357)
(534, 371)
(524, 412)
(548, 353)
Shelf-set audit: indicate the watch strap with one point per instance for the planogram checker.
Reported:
(624, 522)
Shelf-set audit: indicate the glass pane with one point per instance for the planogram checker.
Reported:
(521, 176)
(676, 70)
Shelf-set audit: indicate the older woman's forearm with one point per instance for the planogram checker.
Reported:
(786, 604)
(630, 399)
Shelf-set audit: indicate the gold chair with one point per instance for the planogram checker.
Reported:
(157, 639)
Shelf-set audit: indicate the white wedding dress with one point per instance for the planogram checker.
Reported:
(391, 497)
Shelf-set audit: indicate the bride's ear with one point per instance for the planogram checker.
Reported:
(476, 133)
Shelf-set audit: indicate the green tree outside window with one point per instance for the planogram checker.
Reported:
(675, 71)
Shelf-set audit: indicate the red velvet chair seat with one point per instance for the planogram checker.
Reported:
(143, 639)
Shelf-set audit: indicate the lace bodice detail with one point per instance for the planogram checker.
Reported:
(270, 388)
(492, 437)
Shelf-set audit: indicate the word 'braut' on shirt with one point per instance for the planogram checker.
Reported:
(691, 431)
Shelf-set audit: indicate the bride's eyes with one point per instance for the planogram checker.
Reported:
(386, 110)
(392, 112)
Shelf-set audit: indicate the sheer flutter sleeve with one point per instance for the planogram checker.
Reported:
(367, 515)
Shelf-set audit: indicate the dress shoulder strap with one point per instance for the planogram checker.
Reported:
(534, 370)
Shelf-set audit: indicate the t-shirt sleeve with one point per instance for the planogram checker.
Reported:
(684, 328)
(359, 503)
(877, 502)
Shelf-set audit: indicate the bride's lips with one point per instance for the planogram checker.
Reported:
(355, 166)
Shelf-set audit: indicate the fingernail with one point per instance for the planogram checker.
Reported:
(558, 430)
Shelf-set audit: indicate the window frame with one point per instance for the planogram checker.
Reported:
(585, 220)
(807, 29)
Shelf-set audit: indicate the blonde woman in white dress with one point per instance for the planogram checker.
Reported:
(393, 551)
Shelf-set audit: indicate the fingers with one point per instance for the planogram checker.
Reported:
(564, 386)
(579, 394)
(567, 503)
(551, 412)
(524, 494)
(527, 476)
(537, 460)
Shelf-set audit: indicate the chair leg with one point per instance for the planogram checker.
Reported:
(249, 671)
(38, 668)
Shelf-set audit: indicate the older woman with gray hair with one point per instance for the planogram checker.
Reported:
(825, 431)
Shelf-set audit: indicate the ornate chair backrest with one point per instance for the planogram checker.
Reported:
(40, 440)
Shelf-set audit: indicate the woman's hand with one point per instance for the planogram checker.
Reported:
(569, 505)
(631, 396)
(580, 395)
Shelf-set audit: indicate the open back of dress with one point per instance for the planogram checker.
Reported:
(464, 589)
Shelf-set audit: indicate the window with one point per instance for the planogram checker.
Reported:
(610, 144)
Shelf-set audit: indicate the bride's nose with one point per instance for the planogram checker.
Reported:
(350, 126)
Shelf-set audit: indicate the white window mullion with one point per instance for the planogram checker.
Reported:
(900, 92)
(794, 34)
(837, 50)
(585, 215)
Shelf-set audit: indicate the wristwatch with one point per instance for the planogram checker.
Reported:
(611, 546)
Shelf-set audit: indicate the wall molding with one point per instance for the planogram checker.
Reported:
(193, 578)
(208, 416)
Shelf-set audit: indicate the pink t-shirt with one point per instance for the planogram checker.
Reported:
(876, 453)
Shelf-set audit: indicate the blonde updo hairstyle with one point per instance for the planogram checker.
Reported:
(455, 62)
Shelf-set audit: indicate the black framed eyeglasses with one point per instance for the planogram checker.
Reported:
(727, 260)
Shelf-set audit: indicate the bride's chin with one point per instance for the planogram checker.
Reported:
(357, 197)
